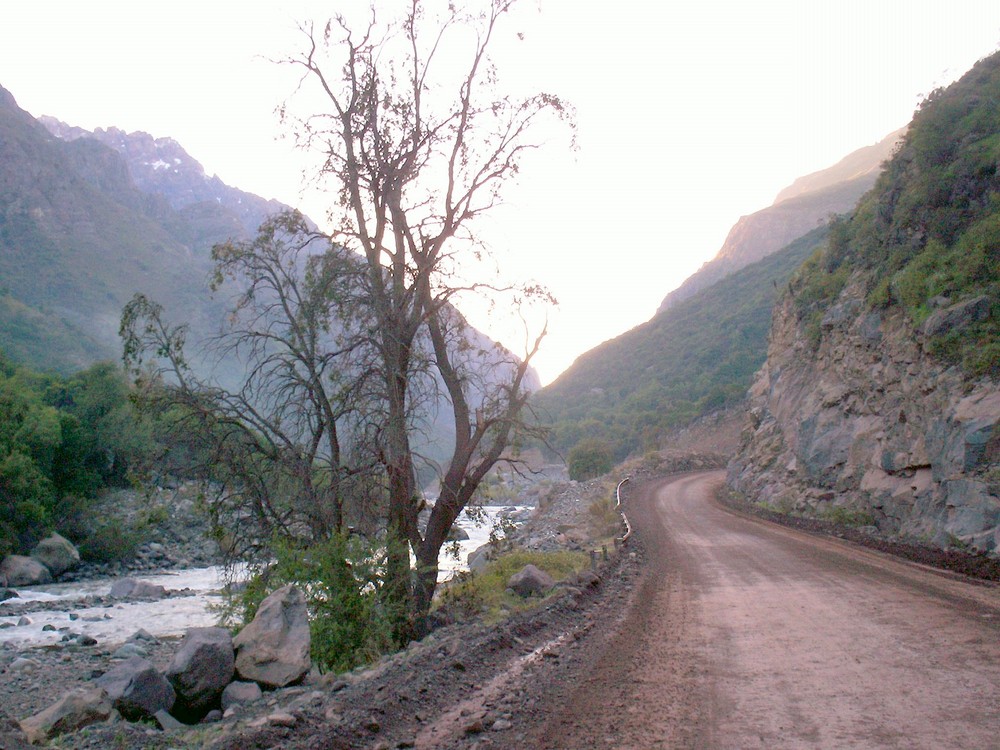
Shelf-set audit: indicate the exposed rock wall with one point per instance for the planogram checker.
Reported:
(871, 424)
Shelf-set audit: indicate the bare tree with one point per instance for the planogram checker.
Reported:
(273, 445)
(417, 144)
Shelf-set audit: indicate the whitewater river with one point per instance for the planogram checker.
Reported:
(170, 616)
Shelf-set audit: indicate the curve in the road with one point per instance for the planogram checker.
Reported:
(747, 635)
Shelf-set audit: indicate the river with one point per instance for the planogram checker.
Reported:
(166, 617)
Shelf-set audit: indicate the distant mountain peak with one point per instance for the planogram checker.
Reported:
(866, 161)
(161, 166)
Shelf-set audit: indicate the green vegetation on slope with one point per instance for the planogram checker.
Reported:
(61, 441)
(928, 234)
(77, 240)
(691, 359)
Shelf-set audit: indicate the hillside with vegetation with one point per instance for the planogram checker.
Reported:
(78, 238)
(805, 204)
(879, 401)
(696, 357)
(62, 441)
(929, 234)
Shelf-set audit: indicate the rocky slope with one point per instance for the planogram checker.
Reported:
(872, 429)
(799, 208)
(879, 403)
(161, 166)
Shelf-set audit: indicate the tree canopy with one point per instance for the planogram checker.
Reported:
(354, 342)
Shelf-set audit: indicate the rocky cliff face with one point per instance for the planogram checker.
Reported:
(869, 428)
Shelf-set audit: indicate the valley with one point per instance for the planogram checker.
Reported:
(809, 426)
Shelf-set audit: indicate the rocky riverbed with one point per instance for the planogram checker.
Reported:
(77, 651)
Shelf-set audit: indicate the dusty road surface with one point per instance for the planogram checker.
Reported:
(747, 635)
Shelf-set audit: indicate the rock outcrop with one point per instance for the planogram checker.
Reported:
(869, 427)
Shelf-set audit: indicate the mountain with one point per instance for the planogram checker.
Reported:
(806, 203)
(696, 357)
(879, 402)
(85, 225)
(701, 349)
(161, 167)
(87, 219)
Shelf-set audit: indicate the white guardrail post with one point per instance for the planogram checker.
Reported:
(618, 504)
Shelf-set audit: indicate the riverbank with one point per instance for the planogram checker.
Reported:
(34, 676)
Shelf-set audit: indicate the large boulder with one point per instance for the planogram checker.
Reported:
(131, 588)
(73, 711)
(530, 580)
(137, 689)
(273, 650)
(457, 534)
(57, 554)
(201, 668)
(20, 570)
(480, 557)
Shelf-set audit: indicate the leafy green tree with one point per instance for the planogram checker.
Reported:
(29, 439)
(590, 458)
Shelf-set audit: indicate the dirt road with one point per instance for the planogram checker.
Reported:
(747, 635)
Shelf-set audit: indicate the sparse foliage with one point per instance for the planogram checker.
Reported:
(417, 144)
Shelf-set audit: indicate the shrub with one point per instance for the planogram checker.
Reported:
(590, 458)
(110, 542)
(847, 516)
(342, 581)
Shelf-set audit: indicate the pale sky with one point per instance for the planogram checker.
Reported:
(690, 114)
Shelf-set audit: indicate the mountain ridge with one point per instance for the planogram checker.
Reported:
(809, 201)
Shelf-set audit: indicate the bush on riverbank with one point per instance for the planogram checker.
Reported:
(342, 580)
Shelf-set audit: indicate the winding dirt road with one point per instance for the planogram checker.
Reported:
(743, 634)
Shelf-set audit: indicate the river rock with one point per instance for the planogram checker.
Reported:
(132, 588)
(201, 668)
(20, 570)
(6, 594)
(457, 534)
(142, 636)
(273, 650)
(239, 693)
(57, 554)
(73, 711)
(130, 651)
(137, 689)
(530, 580)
